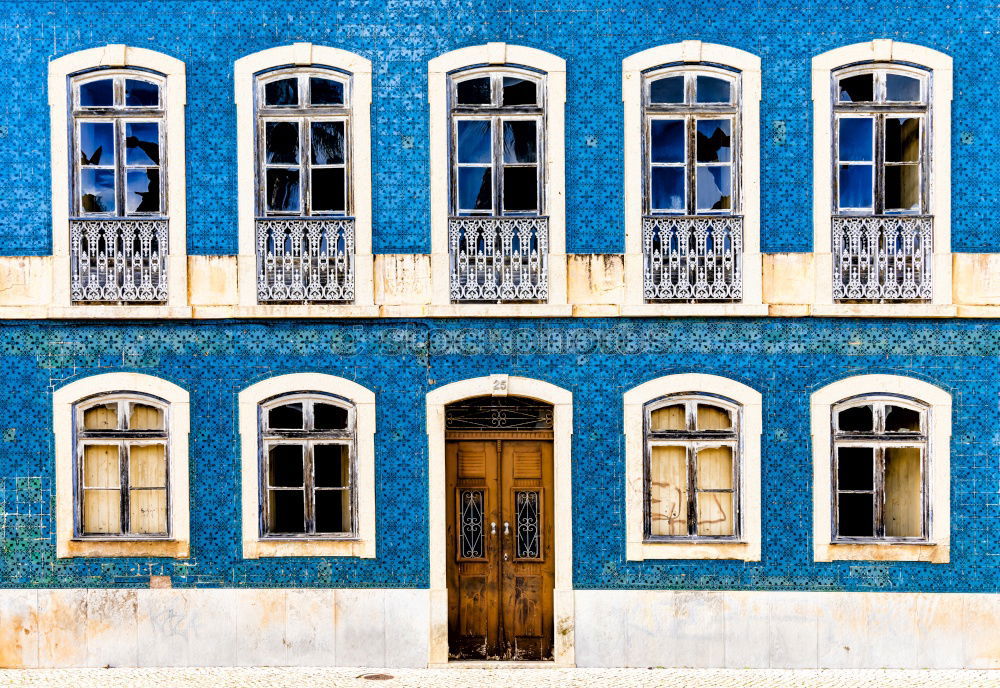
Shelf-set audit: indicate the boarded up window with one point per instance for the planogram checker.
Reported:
(692, 469)
(122, 482)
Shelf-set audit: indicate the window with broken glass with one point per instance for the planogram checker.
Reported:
(118, 214)
(307, 471)
(497, 235)
(121, 467)
(882, 241)
(692, 230)
(692, 463)
(305, 232)
(879, 469)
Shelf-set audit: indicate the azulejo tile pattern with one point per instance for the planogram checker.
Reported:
(598, 360)
(400, 36)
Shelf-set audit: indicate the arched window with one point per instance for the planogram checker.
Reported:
(879, 469)
(691, 178)
(121, 466)
(692, 139)
(497, 120)
(307, 466)
(882, 173)
(120, 111)
(497, 206)
(303, 132)
(692, 467)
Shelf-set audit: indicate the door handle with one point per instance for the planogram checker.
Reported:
(493, 527)
(506, 528)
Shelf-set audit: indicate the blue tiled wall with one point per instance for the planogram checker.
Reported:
(399, 36)
(598, 360)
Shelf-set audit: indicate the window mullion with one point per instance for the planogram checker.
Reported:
(123, 459)
(305, 151)
(692, 505)
(879, 177)
(879, 515)
(309, 484)
(691, 174)
(496, 124)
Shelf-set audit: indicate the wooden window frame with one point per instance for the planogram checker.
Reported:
(124, 439)
(304, 115)
(690, 112)
(496, 113)
(692, 441)
(119, 115)
(879, 110)
(880, 440)
(308, 438)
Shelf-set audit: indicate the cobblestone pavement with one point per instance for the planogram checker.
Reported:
(478, 678)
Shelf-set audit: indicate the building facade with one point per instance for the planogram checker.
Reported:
(400, 334)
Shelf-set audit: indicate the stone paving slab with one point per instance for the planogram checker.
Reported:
(272, 677)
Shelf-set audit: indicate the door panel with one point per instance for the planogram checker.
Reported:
(500, 561)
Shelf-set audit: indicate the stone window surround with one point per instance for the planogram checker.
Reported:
(244, 76)
(939, 206)
(937, 549)
(363, 399)
(693, 53)
(173, 71)
(178, 425)
(554, 70)
(636, 547)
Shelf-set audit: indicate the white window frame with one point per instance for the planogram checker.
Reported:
(883, 53)
(747, 546)
(494, 57)
(693, 54)
(176, 399)
(172, 72)
(255, 546)
(936, 548)
(359, 70)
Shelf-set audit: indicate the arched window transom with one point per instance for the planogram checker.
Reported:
(122, 467)
(879, 468)
(692, 467)
(307, 466)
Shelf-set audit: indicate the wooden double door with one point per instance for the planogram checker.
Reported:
(500, 539)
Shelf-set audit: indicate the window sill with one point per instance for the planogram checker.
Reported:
(259, 549)
(176, 549)
(889, 551)
(742, 551)
(695, 309)
(139, 311)
(884, 310)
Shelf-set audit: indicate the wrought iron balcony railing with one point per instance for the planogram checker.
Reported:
(499, 259)
(303, 260)
(118, 261)
(692, 259)
(882, 258)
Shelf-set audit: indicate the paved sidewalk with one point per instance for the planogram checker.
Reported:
(479, 678)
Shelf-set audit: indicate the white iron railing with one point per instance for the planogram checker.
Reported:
(305, 260)
(499, 259)
(118, 261)
(882, 258)
(692, 258)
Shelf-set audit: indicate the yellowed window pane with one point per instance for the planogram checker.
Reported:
(148, 512)
(145, 417)
(668, 418)
(903, 493)
(714, 418)
(715, 513)
(715, 468)
(668, 495)
(100, 466)
(102, 511)
(147, 466)
(101, 417)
